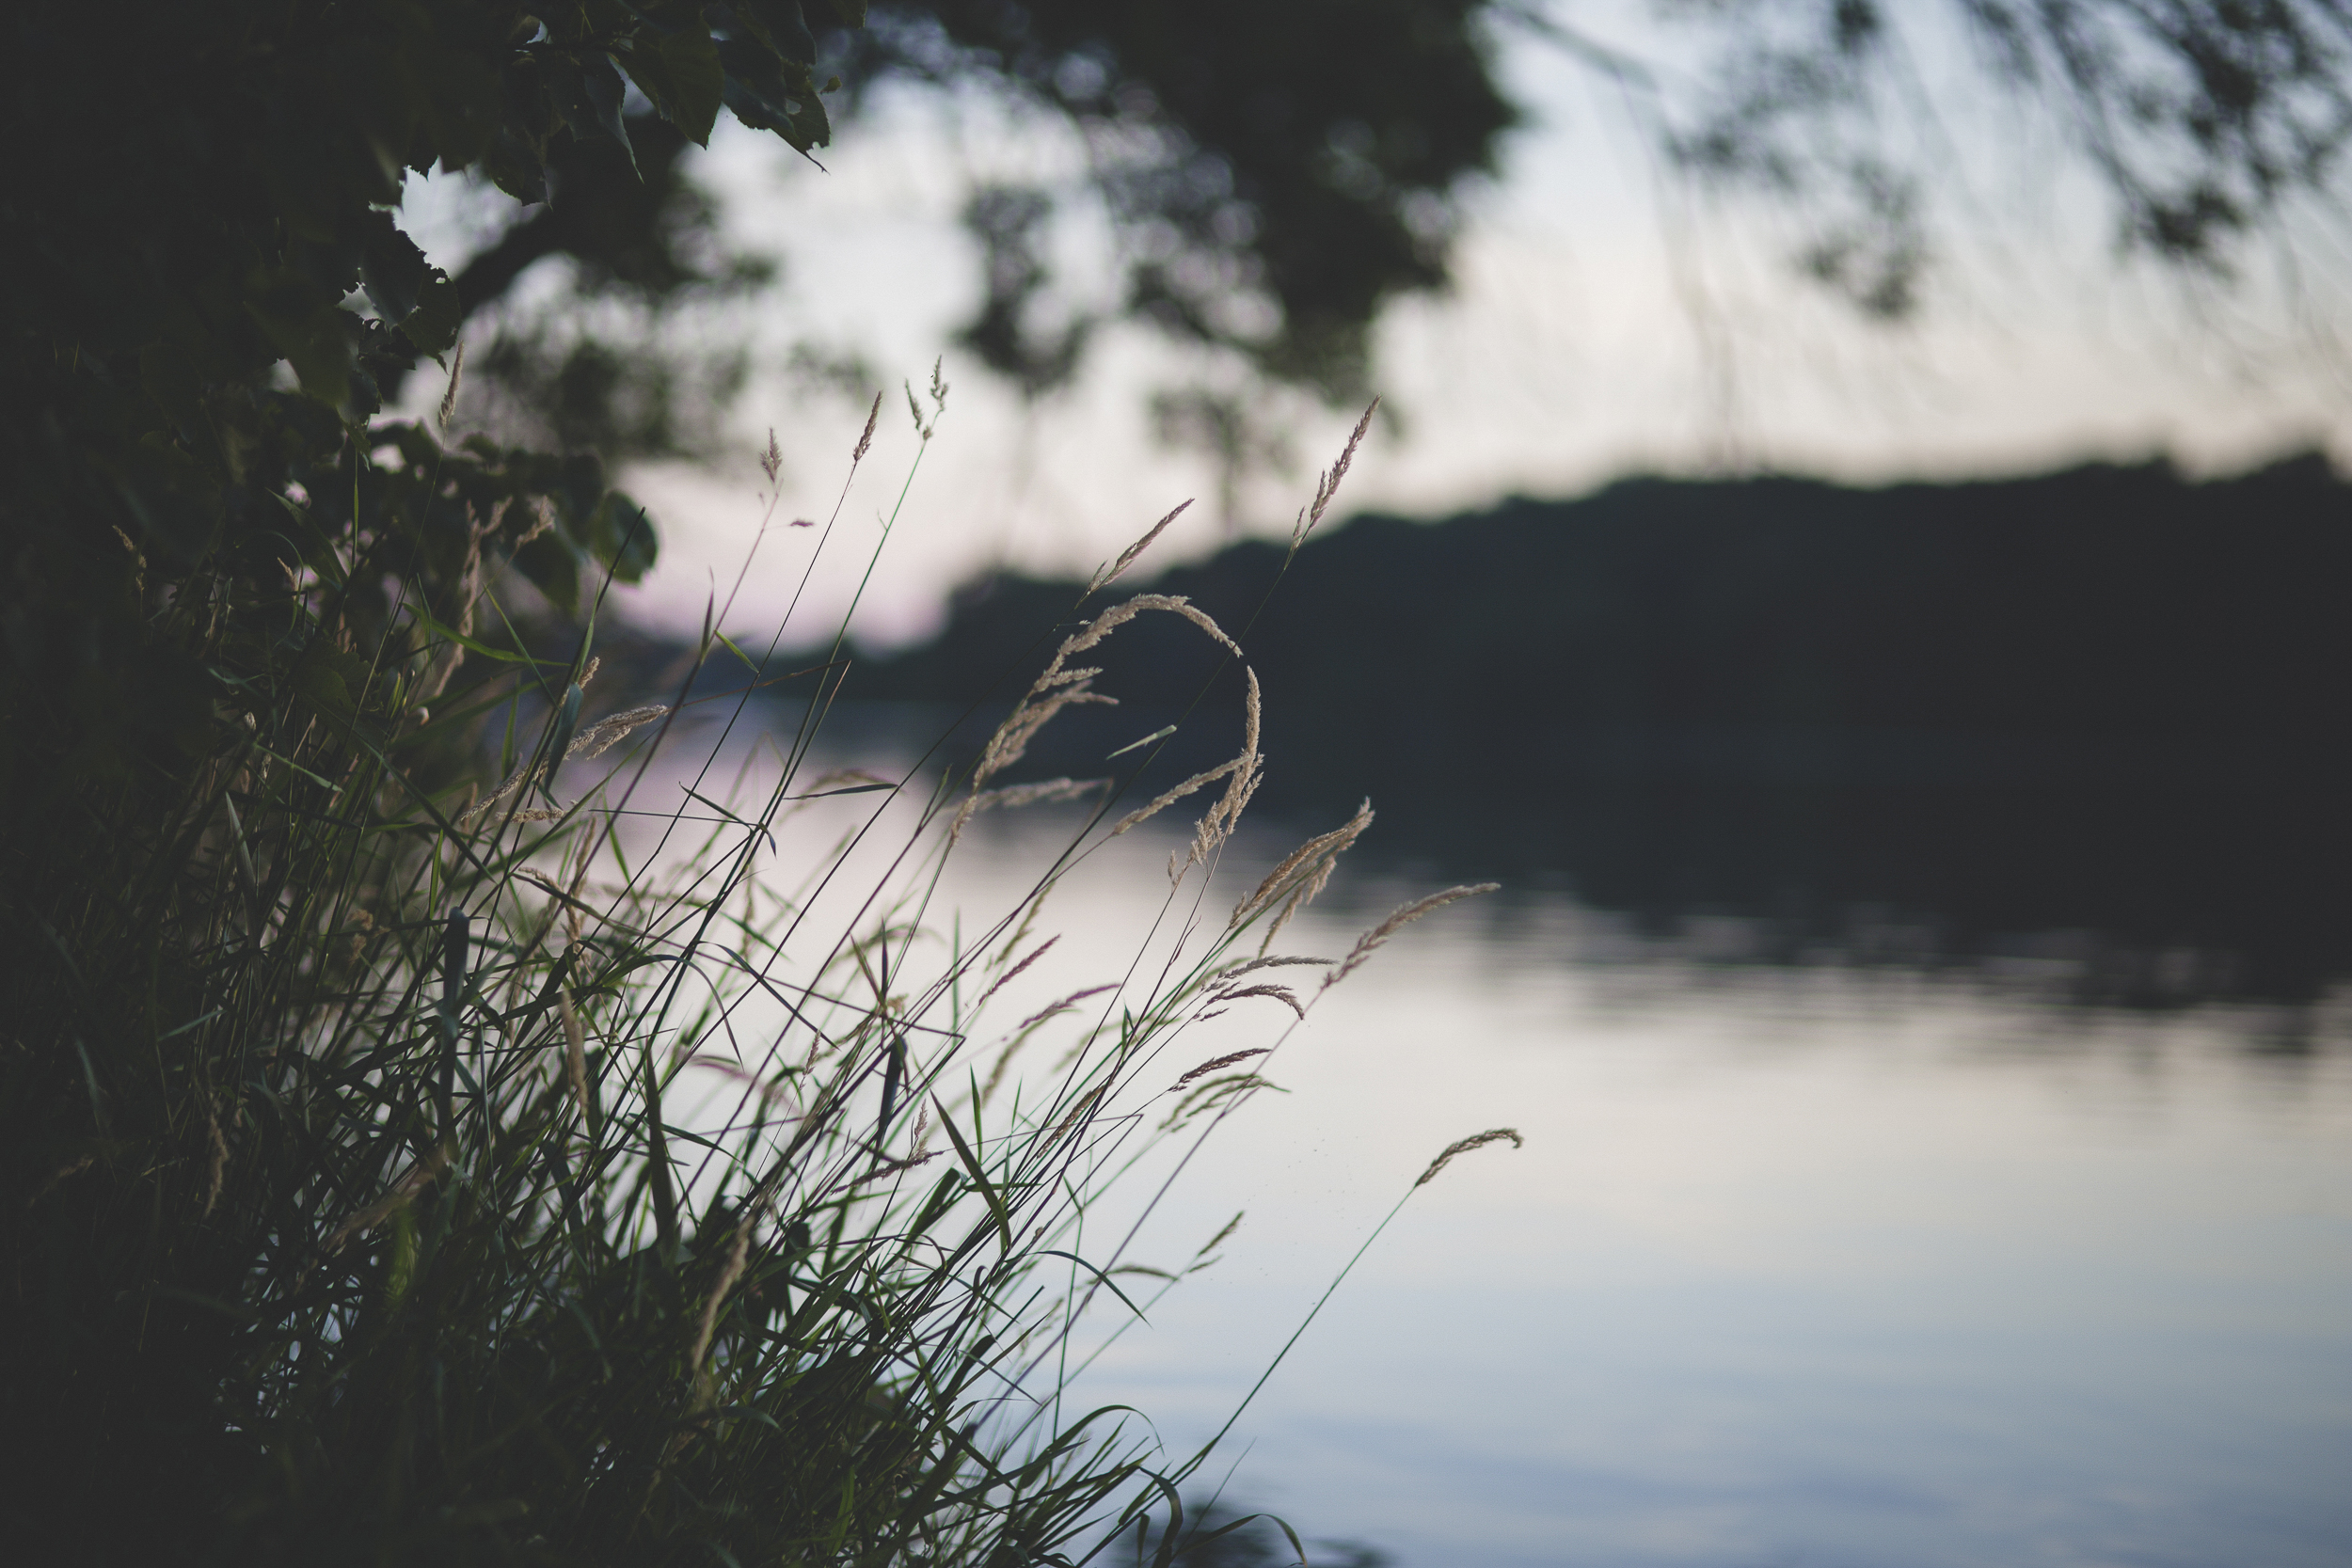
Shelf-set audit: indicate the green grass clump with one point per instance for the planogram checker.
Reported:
(369, 1203)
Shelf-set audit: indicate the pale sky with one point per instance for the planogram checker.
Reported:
(1605, 322)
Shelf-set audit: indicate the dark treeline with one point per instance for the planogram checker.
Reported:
(2099, 715)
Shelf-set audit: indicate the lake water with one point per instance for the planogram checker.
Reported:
(1824, 1266)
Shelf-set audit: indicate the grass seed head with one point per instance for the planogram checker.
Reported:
(1476, 1140)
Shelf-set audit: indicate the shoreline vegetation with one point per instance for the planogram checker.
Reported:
(357, 1219)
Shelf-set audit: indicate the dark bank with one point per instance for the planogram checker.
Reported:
(2096, 716)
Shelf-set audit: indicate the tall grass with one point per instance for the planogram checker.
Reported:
(384, 1211)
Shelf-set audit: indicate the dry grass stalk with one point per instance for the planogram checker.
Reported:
(592, 741)
(456, 374)
(1279, 993)
(217, 1167)
(1237, 971)
(1077, 1113)
(436, 675)
(866, 441)
(1028, 1026)
(1314, 854)
(1308, 892)
(1327, 483)
(1014, 973)
(1209, 1067)
(1405, 915)
(575, 1046)
(1111, 574)
(739, 1256)
(605, 734)
(1062, 687)
(420, 1177)
(1162, 801)
(1127, 609)
(1217, 825)
(1480, 1140)
(1067, 1003)
(1219, 1238)
(1027, 794)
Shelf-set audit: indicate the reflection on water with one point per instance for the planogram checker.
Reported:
(1824, 1268)
(1844, 1261)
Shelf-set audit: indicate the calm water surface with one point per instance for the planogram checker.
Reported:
(1829, 1267)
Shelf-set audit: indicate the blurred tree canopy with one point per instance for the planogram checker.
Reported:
(210, 300)
(206, 296)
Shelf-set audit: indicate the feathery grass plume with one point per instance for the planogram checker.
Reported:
(444, 660)
(866, 441)
(1236, 971)
(1327, 483)
(772, 461)
(456, 374)
(605, 734)
(1222, 1236)
(1405, 914)
(1030, 795)
(1217, 823)
(1028, 1028)
(1060, 687)
(1167, 797)
(1105, 576)
(542, 519)
(1301, 865)
(217, 1166)
(591, 742)
(738, 1255)
(1014, 973)
(575, 1042)
(421, 1176)
(1478, 1140)
(1202, 1070)
(1308, 892)
(1279, 993)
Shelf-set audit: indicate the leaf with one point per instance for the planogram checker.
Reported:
(1106, 1281)
(621, 535)
(472, 645)
(433, 326)
(392, 269)
(602, 80)
(552, 567)
(786, 28)
(769, 94)
(749, 662)
(682, 76)
(306, 329)
(587, 93)
(979, 1179)
(516, 168)
(168, 377)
